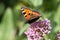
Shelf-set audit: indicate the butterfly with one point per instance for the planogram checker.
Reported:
(30, 15)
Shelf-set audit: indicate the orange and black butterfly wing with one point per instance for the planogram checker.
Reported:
(30, 15)
(27, 12)
(34, 16)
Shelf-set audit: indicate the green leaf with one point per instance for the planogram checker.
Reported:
(23, 29)
(7, 31)
(36, 2)
(57, 1)
(57, 19)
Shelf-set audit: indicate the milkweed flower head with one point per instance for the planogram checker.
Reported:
(37, 30)
(58, 36)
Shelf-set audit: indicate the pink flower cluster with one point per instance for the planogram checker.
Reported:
(37, 30)
(58, 36)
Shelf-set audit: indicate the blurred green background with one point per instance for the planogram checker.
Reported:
(12, 26)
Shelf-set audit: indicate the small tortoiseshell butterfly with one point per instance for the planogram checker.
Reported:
(30, 15)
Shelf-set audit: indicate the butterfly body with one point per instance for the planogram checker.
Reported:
(30, 15)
